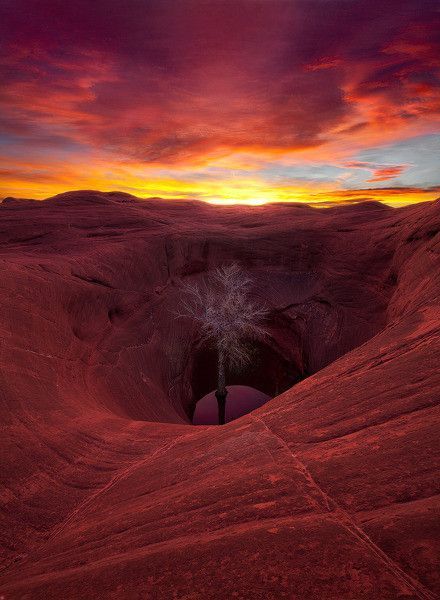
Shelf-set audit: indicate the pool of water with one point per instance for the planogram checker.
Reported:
(240, 400)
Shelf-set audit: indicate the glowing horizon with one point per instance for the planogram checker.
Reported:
(249, 103)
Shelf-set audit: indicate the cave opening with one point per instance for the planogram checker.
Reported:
(269, 373)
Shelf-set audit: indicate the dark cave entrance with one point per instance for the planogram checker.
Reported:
(270, 373)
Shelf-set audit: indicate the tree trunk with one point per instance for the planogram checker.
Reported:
(221, 391)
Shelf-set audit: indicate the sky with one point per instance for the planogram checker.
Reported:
(238, 101)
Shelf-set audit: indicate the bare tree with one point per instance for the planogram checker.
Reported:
(228, 318)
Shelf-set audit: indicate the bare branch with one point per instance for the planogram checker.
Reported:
(227, 316)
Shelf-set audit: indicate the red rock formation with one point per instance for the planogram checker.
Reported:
(327, 491)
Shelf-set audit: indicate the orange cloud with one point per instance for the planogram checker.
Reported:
(122, 96)
(385, 173)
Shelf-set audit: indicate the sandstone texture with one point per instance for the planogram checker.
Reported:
(329, 491)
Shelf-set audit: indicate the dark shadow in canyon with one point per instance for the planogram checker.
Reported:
(270, 373)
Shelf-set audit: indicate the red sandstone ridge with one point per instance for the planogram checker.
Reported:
(329, 491)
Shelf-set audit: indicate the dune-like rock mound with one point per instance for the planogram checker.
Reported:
(330, 490)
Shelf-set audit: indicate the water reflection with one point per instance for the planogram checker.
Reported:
(240, 400)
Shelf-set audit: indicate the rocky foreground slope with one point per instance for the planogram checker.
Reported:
(329, 491)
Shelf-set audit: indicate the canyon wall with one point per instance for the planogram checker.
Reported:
(327, 491)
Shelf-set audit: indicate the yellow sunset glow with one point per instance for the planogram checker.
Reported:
(251, 190)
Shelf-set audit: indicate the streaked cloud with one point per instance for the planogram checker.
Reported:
(261, 100)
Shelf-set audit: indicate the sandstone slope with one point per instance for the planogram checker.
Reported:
(330, 490)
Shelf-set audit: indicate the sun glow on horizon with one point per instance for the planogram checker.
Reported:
(224, 188)
(230, 105)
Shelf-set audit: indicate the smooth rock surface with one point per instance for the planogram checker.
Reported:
(330, 490)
